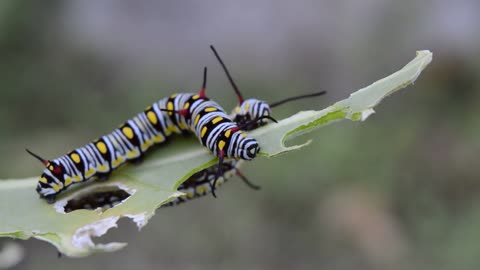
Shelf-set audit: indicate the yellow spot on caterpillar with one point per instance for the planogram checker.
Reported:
(197, 119)
(133, 154)
(247, 106)
(117, 161)
(172, 128)
(187, 105)
(170, 106)
(43, 180)
(202, 189)
(77, 178)
(166, 131)
(182, 125)
(237, 109)
(221, 144)
(174, 95)
(50, 168)
(217, 119)
(89, 173)
(146, 145)
(101, 147)
(152, 117)
(204, 130)
(75, 157)
(159, 138)
(128, 132)
(68, 181)
(210, 109)
(244, 135)
(196, 97)
(227, 133)
(56, 187)
(102, 168)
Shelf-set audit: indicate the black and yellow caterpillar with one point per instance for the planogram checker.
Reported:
(179, 113)
(248, 114)
(201, 183)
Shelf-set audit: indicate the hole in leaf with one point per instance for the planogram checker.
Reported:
(103, 199)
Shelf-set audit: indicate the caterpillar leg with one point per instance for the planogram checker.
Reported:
(102, 177)
(51, 198)
(246, 181)
(219, 173)
(137, 161)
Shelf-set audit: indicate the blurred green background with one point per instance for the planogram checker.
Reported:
(399, 191)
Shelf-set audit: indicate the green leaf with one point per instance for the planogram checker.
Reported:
(154, 182)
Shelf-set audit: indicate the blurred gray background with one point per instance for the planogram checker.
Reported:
(399, 191)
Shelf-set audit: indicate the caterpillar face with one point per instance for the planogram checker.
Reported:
(251, 150)
(244, 147)
(52, 179)
(251, 109)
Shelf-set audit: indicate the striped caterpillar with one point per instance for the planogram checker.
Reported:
(177, 114)
(248, 115)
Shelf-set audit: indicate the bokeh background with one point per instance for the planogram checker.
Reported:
(399, 191)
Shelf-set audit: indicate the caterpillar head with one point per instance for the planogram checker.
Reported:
(243, 147)
(52, 179)
(248, 110)
(248, 149)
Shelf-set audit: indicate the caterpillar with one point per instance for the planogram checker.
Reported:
(246, 115)
(176, 114)
(250, 114)
(201, 183)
